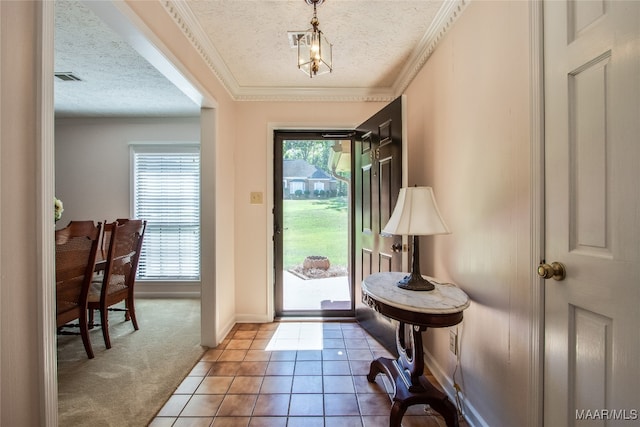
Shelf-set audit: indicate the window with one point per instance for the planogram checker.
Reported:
(166, 193)
(296, 186)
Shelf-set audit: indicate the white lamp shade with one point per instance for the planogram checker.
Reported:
(416, 213)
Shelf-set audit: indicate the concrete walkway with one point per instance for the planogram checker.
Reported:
(316, 294)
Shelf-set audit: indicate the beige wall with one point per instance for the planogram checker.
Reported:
(20, 399)
(93, 161)
(469, 130)
(218, 216)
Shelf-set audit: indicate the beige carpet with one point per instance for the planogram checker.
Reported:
(126, 385)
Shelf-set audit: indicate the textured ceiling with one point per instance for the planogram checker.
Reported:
(372, 39)
(115, 79)
(378, 46)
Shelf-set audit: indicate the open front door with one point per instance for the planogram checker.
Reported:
(375, 176)
(377, 179)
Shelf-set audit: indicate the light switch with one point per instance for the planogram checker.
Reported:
(256, 198)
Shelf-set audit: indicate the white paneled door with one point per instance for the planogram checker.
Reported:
(592, 220)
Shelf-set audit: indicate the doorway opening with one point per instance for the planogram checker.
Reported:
(312, 224)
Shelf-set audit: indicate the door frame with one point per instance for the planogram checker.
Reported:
(45, 177)
(269, 194)
(278, 292)
(45, 174)
(536, 326)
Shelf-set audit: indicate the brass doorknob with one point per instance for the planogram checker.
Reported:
(556, 270)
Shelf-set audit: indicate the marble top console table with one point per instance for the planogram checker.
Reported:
(417, 311)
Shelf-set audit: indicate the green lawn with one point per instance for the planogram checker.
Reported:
(315, 227)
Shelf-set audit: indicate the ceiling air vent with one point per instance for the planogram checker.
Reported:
(67, 77)
(295, 36)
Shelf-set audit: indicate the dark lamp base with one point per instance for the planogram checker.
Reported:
(415, 282)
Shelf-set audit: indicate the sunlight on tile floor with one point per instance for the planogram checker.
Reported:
(289, 374)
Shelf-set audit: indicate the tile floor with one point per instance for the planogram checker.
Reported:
(288, 374)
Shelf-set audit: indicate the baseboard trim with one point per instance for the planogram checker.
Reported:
(473, 418)
(167, 289)
(163, 294)
(224, 331)
(253, 318)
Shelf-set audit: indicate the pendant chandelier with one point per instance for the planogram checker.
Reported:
(314, 50)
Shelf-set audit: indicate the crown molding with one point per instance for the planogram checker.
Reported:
(188, 23)
(443, 22)
(315, 94)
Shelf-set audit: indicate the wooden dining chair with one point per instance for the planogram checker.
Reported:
(116, 284)
(105, 239)
(76, 247)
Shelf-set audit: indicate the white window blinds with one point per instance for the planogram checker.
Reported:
(167, 194)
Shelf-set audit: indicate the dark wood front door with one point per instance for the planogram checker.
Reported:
(377, 180)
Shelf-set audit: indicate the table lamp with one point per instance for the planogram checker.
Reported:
(416, 214)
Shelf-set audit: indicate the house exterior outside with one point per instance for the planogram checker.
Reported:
(303, 180)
